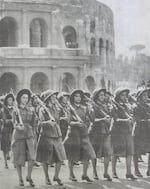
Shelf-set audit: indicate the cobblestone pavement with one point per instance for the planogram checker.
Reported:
(9, 180)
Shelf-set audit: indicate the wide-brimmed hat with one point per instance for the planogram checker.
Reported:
(21, 92)
(96, 93)
(73, 94)
(140, 93)
(9, 95)
(119, 91)
(62, 94)
(47, 94)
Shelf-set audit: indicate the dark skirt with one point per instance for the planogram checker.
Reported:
(102, 145)
(50, 150)
(6, 142)
(142, 140)
(79, 148)
(122, 144)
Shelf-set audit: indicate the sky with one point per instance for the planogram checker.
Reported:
(132, 24)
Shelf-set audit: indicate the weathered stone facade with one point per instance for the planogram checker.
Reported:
(57, 44)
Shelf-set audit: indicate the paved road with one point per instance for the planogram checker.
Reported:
(9, 180)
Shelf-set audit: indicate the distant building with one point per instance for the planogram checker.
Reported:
(57, 44)
(132, 73)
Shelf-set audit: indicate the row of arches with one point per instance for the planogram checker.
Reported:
(102, 44)
(105, 49)
(39, 82)
(38, 33)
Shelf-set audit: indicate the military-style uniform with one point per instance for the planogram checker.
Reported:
(50, 148)
(23, 144)
(78, 146)
(142, 130)
(99, 134)
(122, 140)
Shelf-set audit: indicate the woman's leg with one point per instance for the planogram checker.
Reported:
(85, 167)
(106, 164)
(45, 169)
(19, 171)
(71, 164)
(94, 163)
(128, 164)
(5, 159)
(30, 168)
(57, 169)
(114, 162)
(136, 164)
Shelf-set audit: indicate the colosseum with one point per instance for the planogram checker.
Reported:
(57, 44)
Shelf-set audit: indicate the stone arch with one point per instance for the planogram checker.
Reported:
(7, 81)
(8, 32)
(92, 26)
(68, 82)
(38, 33)
(90, 83)
(70, 37)
(39, 82)
(93, 46)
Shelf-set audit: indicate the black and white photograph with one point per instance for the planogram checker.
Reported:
(75, 94)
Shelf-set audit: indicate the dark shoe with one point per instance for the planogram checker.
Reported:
(48, 182)
(59, 182)
(36, 164)
(8, 157)
(87, 179)
(30, 182)
(6, 166)
(21, 183)
(76, 164)
(130, 177)
(73, 178)
(107, 176)
(138, 174)
(52, 165)
(114, 175)
(148, 173)
(95, 177)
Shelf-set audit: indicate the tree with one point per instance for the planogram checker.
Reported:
(137, 48)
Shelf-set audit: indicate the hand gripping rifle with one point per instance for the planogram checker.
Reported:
(100, 111)
(41, 103)
(76, 116)
(143, 108)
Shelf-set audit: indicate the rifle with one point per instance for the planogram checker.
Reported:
(41, 103)
(17, 111)
(101, 112)
(76, 116)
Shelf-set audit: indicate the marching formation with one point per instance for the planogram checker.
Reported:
(57, 126)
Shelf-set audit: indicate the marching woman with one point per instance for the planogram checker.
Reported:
(50, 148)
(100, 135)
(77, 144)
(23, 143)
(142, 130)
(122, 139)
(7, 129)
